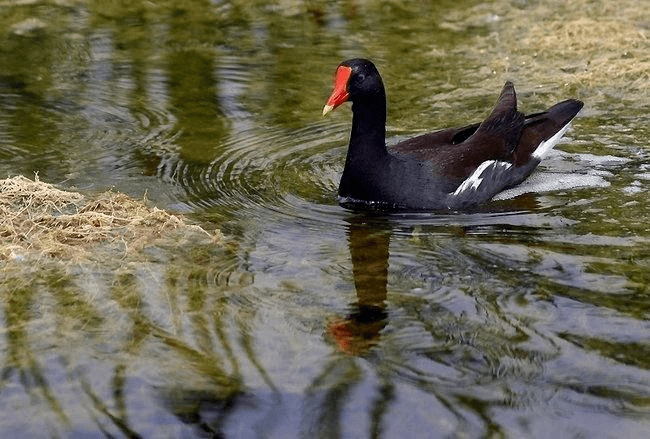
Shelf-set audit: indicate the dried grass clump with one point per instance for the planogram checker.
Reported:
(591, 43)
(601, 50)
(39, 219)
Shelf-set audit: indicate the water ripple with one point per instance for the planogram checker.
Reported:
(268, 172)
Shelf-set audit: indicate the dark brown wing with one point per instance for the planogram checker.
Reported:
(456, 153)
(424, 147)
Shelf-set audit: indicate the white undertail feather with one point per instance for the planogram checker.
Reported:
(548, 144)
(474, 181)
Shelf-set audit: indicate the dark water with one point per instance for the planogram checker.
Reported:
(528, 319)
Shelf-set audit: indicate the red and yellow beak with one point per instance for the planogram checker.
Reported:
(340, 93)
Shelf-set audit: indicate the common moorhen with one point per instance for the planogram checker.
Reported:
(452, 169)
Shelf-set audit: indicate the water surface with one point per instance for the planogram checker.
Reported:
(526, 319)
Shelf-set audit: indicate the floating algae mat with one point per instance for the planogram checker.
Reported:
(43, 223)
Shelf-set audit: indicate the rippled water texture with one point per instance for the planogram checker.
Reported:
(529, 318)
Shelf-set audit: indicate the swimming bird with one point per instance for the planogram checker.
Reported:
(452, 169)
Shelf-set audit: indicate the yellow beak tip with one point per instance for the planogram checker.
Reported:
(327, 109)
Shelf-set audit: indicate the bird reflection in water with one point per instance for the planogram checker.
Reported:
(369, 239)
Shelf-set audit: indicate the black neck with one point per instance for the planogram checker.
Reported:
(367, 155)
(368, 136)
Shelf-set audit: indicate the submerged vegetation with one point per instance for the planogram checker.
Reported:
(89, 276)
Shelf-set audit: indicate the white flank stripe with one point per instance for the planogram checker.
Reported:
(548, 144)
(474, 181)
